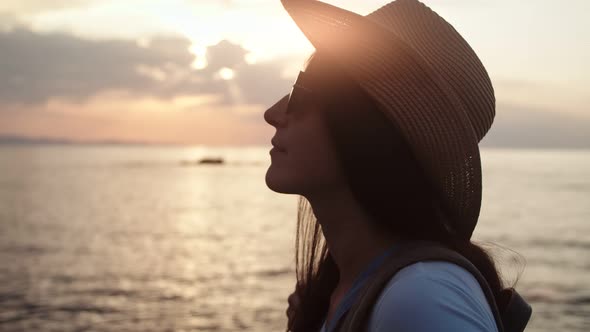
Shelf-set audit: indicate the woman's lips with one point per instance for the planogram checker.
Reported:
(277, 147)
(275, 150)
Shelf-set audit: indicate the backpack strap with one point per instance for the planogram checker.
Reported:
(516, 311)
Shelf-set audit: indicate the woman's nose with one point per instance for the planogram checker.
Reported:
(275, 115)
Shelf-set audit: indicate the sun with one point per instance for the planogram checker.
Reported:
(200, 53)
(226, 74)
(265, 34)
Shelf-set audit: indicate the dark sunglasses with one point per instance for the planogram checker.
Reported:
(301, 94)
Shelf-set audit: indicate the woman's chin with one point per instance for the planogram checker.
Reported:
(279, 181)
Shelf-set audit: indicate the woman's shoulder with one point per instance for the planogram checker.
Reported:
(432, 296)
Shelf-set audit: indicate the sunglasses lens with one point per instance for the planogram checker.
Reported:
(297, 99)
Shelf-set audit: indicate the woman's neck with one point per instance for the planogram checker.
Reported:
(352, 239)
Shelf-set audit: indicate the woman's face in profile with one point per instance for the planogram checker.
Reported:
(306, 162)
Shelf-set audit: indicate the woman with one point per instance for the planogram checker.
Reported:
(379, 138)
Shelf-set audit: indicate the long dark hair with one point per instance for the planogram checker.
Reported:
(387, 182)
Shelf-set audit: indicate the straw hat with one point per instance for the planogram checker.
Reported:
(426, 78)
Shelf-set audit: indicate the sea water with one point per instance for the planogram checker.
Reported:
(144, 238)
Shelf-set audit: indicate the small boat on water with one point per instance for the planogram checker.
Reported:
(213, 161)
(203, 161)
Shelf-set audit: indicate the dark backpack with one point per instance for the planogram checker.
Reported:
(511, 313)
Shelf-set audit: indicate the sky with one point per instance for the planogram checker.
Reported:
(203, 72)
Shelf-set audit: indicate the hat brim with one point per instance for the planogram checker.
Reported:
(403, 85)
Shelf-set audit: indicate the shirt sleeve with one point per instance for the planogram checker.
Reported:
(432, 296)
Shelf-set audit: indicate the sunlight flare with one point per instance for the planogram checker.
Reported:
(226, 74)
(200, 53)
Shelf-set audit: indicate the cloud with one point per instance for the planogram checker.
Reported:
(36, 67)
(38, 6)
(7, 21)
(525, 126)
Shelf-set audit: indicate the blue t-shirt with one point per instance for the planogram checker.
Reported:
(431, 296)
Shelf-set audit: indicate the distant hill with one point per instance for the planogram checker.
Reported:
(26, 140)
